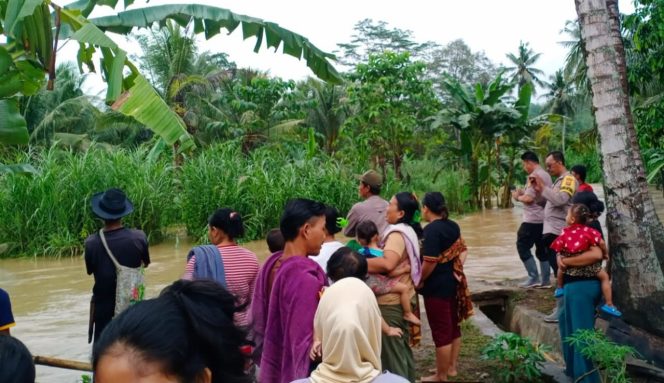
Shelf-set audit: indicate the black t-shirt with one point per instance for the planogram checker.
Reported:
(439, 235)
(130, 248)
(597, 226)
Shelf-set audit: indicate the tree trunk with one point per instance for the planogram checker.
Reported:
(397, 160)
(506, 198)
(650, 214)
(475, 183)
(637, 276)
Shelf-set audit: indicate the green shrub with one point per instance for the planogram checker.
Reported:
(610, 359)
(521, 359)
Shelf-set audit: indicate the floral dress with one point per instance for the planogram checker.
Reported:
(574, 240)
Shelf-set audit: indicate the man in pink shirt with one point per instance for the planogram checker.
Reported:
(372, 208)
(530, 231)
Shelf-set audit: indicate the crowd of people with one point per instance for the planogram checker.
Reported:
(319, 310)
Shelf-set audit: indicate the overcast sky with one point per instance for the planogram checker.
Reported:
(492, 26)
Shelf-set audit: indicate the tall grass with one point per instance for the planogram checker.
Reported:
(258, 186)
(433, 175)
(49, 213)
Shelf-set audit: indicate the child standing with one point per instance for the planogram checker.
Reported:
(367, 236)
(575, 239)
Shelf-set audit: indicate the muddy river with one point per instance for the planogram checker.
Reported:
(51, 297)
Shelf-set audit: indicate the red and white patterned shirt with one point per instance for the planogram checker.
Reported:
(240, 269)
(576, 238)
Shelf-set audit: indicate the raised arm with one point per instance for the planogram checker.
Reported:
(560, 197)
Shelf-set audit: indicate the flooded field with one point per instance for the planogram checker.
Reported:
(51, 297)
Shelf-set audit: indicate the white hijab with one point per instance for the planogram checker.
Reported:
(348, 323)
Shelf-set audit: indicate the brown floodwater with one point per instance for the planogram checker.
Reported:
(51, 297)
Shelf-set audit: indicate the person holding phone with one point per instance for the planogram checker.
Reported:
(530, 231)
(558, 201)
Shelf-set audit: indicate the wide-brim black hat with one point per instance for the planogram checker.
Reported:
(111, 204)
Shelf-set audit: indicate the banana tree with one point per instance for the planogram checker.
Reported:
(33, 29)
(481, 118)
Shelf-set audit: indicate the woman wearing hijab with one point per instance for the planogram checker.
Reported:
(348, 324)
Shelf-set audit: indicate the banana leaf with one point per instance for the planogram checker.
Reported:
(143, 103)
(210, 20)
(13, 128)
(132, 95)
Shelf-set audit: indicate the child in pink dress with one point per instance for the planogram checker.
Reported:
(367, 236)
(574, 240)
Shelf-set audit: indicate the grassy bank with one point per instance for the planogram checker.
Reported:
(49, 213)
(472, 368)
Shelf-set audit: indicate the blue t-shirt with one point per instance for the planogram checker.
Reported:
(6, 316)
(370, 252)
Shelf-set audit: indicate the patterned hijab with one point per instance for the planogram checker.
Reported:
(348, 323)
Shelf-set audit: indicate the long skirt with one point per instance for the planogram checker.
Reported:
(578, 312)
(396, 355)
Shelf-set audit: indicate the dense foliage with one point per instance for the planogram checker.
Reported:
(428, 116)
(256, 184)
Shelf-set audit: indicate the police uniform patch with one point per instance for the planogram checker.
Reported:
(568, 185)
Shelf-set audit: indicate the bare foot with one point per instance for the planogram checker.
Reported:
(412, 318)
(433, 379)
(452, 372)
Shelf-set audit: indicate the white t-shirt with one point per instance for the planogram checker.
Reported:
(325, 253)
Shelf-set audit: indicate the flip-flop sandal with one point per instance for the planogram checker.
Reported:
(558, 293)
(611, 310)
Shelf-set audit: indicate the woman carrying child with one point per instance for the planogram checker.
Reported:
(367, 236)
(581, 295)
(401, 245)
(444, 285)
(575, 239)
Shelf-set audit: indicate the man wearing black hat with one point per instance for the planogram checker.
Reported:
(372, 208)
(130, 248)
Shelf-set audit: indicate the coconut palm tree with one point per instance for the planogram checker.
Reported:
(561, 99)
(560, 94)
(328, 111)
(183, 76)
(575, 64)
(523, 72)
(635, 233)
(32, 31)
(68, 85)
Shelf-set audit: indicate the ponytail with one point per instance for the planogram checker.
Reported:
(228, 221)
(581, 213)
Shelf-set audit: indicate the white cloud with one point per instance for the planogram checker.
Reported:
(495, 27)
